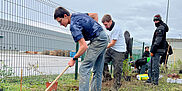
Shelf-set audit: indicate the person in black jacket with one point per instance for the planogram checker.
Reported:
(146, 53)
(158, 48)
(141, 63)
(144, 56)
(129, 43)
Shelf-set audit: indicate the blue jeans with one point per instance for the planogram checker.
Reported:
(94, 58)
(154, 72)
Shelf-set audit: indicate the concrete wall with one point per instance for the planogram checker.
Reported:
(177, 55)
(177, 50)
(23, 37)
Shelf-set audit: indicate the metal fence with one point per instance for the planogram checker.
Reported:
(138, 49)
(30, 38)
(29, 35)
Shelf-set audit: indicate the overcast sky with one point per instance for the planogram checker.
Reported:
(136, 16)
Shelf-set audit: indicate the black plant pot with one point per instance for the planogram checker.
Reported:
(180, 71)
(128, 78)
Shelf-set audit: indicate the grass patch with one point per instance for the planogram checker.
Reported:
(34, 83)
(67, 83)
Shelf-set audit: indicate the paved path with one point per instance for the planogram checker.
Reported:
(35, 64)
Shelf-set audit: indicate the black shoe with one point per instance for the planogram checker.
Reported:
(109, 79)
(155, 84)
(106, 79)
(148, 81)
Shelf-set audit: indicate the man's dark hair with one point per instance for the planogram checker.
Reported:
(60, 11)
(106, 18)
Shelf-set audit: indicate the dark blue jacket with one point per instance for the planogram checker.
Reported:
(83, 26)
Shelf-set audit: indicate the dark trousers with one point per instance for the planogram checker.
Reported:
(153, 68)
(117, 59)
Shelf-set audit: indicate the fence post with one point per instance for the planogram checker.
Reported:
(111, 66)
(132, 49)
(82, 57)
(76, 65)
(143, 48)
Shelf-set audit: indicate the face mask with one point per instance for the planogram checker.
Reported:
(157, 24)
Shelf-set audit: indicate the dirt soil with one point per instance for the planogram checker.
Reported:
(107, 85)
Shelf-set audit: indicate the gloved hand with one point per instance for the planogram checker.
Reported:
(151, 54)
(131, 57)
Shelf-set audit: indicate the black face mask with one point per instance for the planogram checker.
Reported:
(111, 27)
(158, 24)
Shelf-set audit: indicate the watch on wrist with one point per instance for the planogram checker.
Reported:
(75, 59)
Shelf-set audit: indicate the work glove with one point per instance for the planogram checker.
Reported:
(151, 54)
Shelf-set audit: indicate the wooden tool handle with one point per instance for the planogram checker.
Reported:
(57, 78)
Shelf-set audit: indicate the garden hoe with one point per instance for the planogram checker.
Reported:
(57, 78)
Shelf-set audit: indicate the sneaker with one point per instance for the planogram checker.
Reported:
(106, 79)
(148, 81)
(109, 79)
(155, 84)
